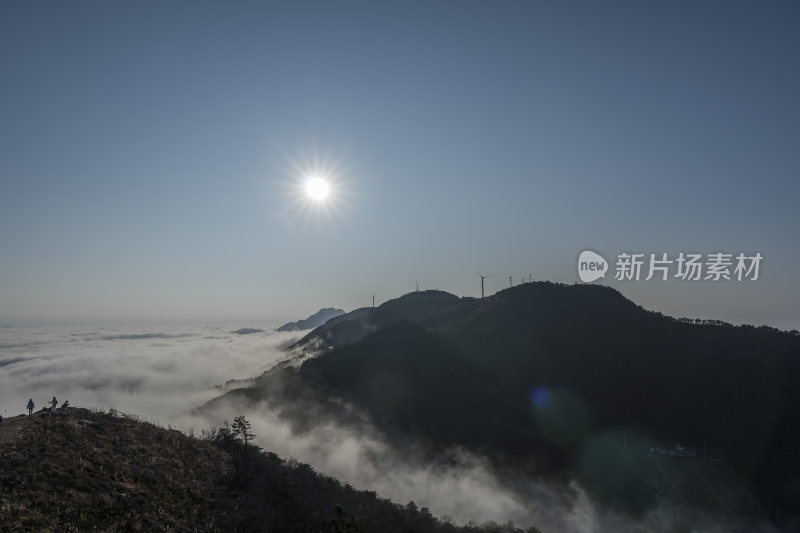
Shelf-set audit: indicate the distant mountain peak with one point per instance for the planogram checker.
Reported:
(313, 321)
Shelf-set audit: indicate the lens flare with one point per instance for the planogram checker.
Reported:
(541, 397)
(560, 414)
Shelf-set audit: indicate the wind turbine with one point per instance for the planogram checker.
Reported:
(418, 286)
(483, 278)
(373, 299)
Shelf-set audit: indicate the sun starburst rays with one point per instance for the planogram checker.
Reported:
(318, 187)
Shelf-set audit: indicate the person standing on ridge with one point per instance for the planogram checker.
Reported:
(53, 403)
(30, 407)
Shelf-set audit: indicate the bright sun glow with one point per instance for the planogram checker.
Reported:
(317, 188)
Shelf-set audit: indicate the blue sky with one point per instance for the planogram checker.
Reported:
(153, 153)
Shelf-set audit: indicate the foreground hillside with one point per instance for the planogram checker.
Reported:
(111, 472)
(94, 470)
(542, 376)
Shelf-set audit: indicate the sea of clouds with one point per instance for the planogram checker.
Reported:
(157, 373)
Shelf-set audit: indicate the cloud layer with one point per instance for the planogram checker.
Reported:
(157, 374)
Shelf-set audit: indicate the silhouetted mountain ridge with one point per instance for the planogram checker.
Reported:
(533, 373)
(415, 306)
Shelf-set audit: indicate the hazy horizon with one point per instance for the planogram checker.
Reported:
(270, 323)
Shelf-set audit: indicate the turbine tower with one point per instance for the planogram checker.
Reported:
(483, 278)
(373, 299)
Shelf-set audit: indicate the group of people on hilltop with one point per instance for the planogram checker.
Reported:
(53, 403)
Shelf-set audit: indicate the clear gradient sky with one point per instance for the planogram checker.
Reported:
(152, 153)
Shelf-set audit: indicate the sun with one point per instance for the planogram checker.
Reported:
(317, 188)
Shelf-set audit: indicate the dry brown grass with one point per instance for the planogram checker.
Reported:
(96, 471)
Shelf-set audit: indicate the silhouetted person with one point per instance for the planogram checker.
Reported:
(53, 404)
(31, 407)
(65, 406)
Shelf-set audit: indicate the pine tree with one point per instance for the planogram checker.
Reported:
(242, 430)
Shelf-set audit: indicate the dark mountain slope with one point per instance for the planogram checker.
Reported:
(729, 385)
(414, 378)
(535, 371)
